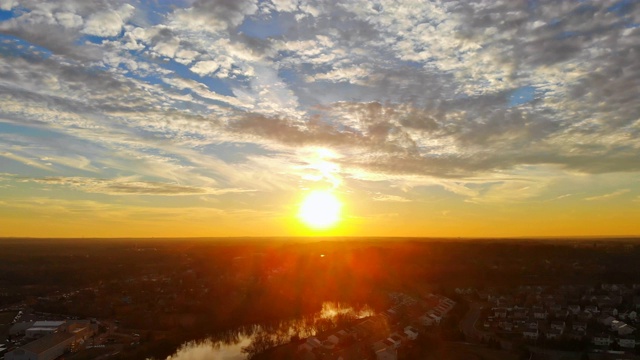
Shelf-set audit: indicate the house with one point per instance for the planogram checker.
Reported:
(540, 314)
(561, 314)
(601, 340)
(607, 321)
(625, 329)
(555, 307)
(558, 325)
(520, 314)
(411, 332)
(593, 309)
(623, 315)
(500, 313)
(333, 339)
(576, 334)
(387, 354)
(554, 334)
(579, 326)
(381, 345)
(313, 341)
(396, 339)
(304, 348)
(575, 309)
(430, 319)
(506, 325)
(584, 316)
(627, 342)
(530, 334)
(328, 345)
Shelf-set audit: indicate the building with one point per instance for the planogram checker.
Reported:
(625, 329)
(575, 309)
(558, 325)
(411, 332)
(530, 334)
(554, 334)
(627, 342)
(601, 340)
(579, 326)
(37, 332)
(540, 314)
(387, 354)
(48, 347)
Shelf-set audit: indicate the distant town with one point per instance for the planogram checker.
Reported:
(320, 300)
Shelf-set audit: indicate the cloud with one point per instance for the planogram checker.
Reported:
(608, 196)
(205, 67)
(130, 187)
(390, 198)
(217, 14)
(108, 23)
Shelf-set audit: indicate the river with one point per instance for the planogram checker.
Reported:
(229, 346)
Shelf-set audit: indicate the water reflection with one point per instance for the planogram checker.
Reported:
(246, 341)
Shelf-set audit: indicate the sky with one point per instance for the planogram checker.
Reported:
(217, 118)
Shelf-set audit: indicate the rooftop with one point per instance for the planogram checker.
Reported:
(48, 323)
(47, 342)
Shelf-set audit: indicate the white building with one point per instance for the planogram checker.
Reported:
(601, 340)
(530, 334)
(411, 332)
(628, 343)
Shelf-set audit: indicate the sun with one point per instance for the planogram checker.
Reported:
(320, 210)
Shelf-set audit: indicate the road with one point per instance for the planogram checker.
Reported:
(467, 324)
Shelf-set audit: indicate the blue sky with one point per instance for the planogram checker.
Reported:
(236, 108)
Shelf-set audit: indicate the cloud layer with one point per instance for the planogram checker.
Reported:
(207, 97)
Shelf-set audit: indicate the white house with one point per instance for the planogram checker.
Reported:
(591, 308)
(411, 332)
(627, 342)
(575, 309)
(601, 340)
(530, 334)
(579, 326)
(500, 313)
(554, 334)
(540, 315)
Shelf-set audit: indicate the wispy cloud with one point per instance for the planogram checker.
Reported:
(608, 196)
(390, 198)
(130, 187)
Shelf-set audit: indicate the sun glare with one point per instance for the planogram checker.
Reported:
(320, 210)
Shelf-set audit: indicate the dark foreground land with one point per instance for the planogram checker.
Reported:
(168, 291)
